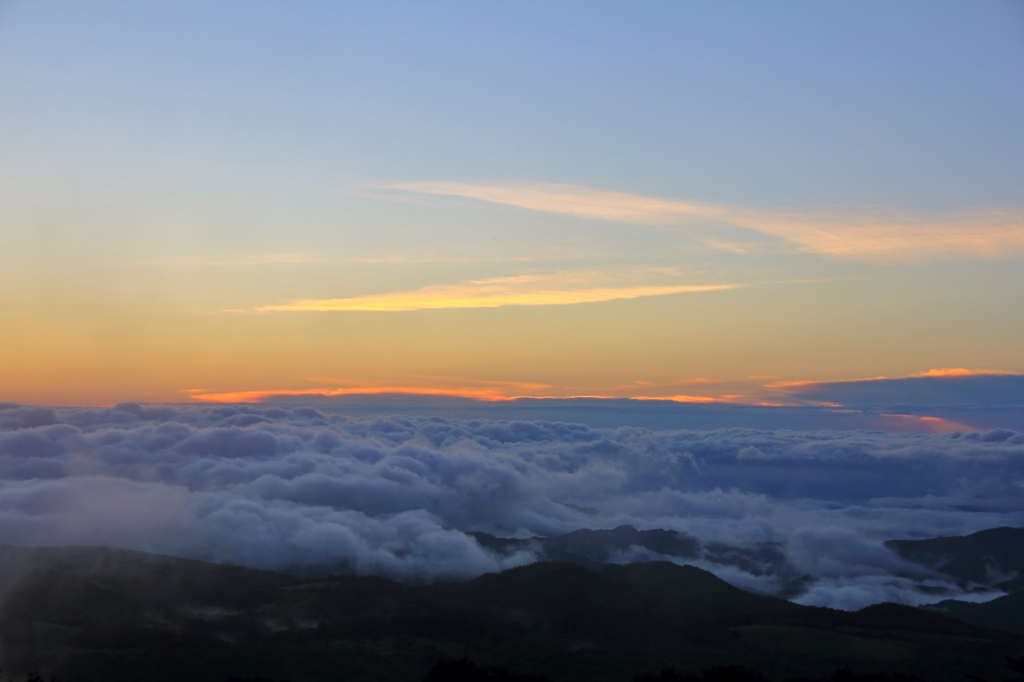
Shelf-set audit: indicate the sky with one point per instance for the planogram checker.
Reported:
(213, 202)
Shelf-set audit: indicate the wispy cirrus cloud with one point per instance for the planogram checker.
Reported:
(563, 288)
(865, 235)
(577, 200)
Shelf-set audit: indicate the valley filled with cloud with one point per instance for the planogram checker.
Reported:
(303, 490)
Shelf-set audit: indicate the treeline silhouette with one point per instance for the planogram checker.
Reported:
(87, 615)
(729, 673)
(464, 670)
(744, 674)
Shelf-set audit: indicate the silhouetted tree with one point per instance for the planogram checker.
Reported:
(667, 675)
(847, 675)
(732, 673)
(725, 673)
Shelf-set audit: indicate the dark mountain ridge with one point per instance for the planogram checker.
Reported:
(981, 562)
(104, 614)
(993, 557)
(624, 544)
(989, 559)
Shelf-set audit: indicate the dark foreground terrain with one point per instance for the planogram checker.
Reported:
(85, 614)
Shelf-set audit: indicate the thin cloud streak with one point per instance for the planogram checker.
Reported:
(944, 372)
(521, 290)
(577, 200)
(962, 372)
(700, 399)
(303, 259)
(869, 235)
(259, 396)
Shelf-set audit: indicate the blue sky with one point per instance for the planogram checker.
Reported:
(915, 105)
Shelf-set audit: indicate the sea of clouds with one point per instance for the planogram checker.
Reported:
(287, 488)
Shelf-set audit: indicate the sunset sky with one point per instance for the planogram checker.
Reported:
(704, 201)
(341, 284)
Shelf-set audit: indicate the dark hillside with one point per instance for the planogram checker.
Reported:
(89, 614)
(1005, 613)
(990, 557)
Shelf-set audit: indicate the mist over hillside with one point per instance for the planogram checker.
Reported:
(301, 490)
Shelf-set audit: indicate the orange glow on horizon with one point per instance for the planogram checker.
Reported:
(481, 394)
(688, 398)
(926, 424)
(495, 393)
(961, 372)
(801, 384)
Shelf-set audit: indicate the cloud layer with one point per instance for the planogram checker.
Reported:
(280, 488)
(868, 235)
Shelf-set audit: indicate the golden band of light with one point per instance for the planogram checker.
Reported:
(484, 294)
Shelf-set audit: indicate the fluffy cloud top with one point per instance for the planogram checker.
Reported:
(281, 488)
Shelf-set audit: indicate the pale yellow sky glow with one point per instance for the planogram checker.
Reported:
(870, 235)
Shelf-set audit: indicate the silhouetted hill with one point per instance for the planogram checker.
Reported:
(1005, 613)
(992, 557)
(988, 559)
(599, 545)
(594, 548)
(590, 547)
(89, 614)
(464, 670)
